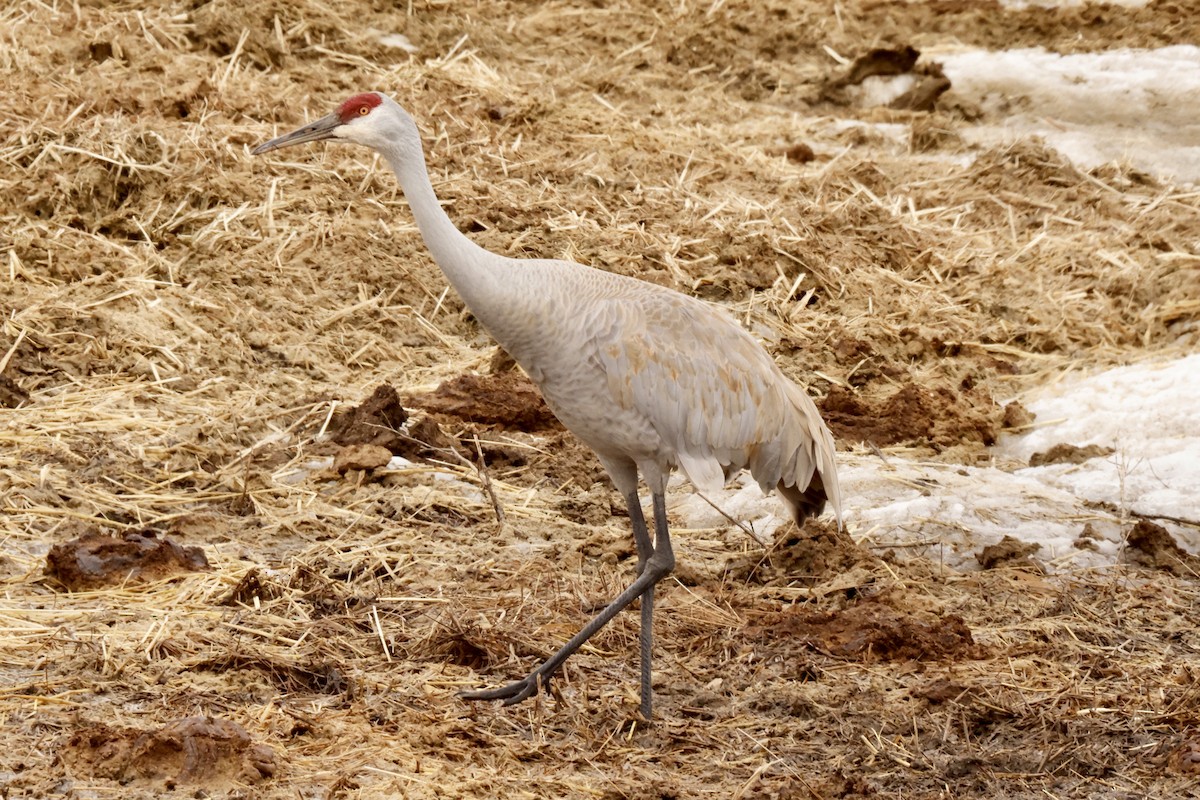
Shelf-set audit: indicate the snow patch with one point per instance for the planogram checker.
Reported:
(1135, 106)
(396, 40)
(1148, 414)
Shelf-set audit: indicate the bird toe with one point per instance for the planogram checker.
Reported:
(511, 693)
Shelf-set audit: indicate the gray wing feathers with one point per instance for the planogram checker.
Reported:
(729, 407)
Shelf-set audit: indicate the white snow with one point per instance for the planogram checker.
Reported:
(396, 40)
(1135, 106)
(945, 512)
(1148, 413)
(1132, 106)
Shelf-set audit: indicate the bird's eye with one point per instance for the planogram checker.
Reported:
(364, 110)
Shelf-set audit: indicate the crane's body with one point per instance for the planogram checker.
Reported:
(649, 378)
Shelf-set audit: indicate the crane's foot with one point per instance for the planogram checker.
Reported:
(514, 692)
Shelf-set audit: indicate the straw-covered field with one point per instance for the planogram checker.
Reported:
(184, 325)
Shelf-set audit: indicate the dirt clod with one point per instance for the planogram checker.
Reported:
(871, 630)
(508, 400)
(879, 61)
(1016, 415)
(1087, 538)
(365, 457)
(96, 559)
(215, 753)
(800, 153)
(1008, 552)
(1152, 545)
(1068, 454)
(377, 421)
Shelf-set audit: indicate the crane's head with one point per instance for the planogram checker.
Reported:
(371, 119)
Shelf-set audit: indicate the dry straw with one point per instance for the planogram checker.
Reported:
(180, 321)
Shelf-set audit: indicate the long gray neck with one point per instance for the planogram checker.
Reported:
(471, 270)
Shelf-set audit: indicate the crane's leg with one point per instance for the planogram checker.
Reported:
(641, 538)
(657, 566)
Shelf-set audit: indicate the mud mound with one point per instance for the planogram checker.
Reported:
(940, 417)
(1152, 546)
(96, 559)
(508, 400)
(871, 630)
(1068, 454)
(376, 422)
(1008, 552)
(813, 554)
(378, 428)
(215, 754)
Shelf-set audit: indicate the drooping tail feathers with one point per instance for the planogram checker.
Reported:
(815, 456)
(804, 503)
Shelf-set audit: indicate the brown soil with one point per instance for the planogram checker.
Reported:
(869, 631)
(214, 753)
(189, 334)
(507, 400)
(376, 422)
(1152, 546)
(96, 559)
(1008, 552)
(1063, 453)
(939, 418)
(361, 457)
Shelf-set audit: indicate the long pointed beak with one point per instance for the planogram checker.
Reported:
(312, 132)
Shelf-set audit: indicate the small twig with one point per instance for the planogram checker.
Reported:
(486, 480)
(1179, 520)
(20, 338)
(378, 626)
(746, 530)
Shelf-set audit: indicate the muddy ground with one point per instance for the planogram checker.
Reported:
(213, 585)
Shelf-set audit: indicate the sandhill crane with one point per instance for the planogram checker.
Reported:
(649, 378)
